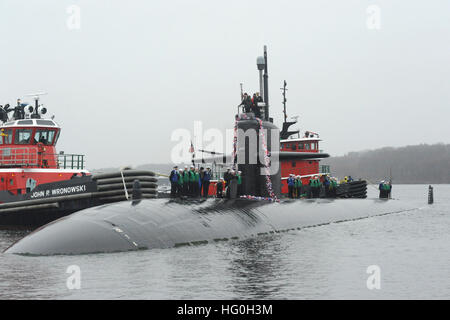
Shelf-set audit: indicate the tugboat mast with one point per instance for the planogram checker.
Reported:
(285, 133)
(284, 100)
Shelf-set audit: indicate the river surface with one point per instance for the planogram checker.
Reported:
(410, 252)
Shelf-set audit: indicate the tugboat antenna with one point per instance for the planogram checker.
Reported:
(284, 99)
(36, 94)
(36, 103)
(285, 133)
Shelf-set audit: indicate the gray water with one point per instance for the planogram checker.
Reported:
(412, 250)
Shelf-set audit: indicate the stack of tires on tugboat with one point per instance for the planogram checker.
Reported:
(165, 223)
(39, 185)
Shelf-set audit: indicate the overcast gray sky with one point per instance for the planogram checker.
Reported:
(137, 70)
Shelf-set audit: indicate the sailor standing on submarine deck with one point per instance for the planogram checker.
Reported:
(173, 181)
(385, 189)
(227, 177)
(291, 183)
(315, 185)
(298, 186)
(180, 183)
(239, 183)
(207, 176)
(186, 181)
(192, 188)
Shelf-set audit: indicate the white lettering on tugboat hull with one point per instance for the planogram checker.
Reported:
(58, 191)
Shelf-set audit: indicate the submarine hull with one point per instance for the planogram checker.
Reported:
(162, 223)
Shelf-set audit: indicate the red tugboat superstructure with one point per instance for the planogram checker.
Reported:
(28, 155)
(305, 168)
(308, 144)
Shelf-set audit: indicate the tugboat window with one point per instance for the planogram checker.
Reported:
(45, 122)
(6, 136)
(22, 136)
(25, 122)
(44, 136)
(307, 146)
(294, 146)
(57, 136)
(300, 146)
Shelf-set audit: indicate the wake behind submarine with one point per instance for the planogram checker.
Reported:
(259, 208)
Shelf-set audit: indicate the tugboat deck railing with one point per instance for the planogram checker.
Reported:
(28, 157)
(71, 161)
(325, 169)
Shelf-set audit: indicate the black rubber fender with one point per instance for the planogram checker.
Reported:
(129, 185)
(126, 173)
(127, 179)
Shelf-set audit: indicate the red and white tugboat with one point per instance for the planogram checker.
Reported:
(305, 147)
(37, 184)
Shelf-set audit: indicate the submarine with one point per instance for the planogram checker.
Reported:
(258, 209)
(167, 223)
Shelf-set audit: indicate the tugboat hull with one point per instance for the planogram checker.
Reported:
(51, 201)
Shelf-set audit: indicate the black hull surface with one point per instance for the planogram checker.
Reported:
(162, 223)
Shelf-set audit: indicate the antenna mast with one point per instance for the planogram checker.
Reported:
(284, 99)
(266, 86)
(36, 103)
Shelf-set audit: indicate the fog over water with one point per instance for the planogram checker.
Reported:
(134, 72)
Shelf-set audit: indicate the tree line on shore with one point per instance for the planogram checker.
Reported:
(410, 164)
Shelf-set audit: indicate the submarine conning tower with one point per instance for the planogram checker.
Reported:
(253, 148)
(257, 145)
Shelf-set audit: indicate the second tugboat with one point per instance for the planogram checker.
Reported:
(39, 185)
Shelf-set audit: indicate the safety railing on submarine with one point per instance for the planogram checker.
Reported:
(31, 157)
